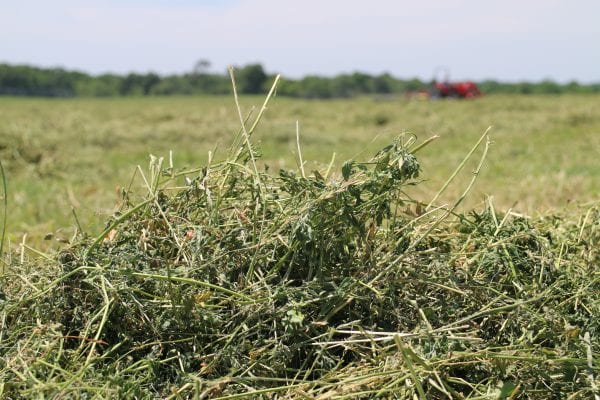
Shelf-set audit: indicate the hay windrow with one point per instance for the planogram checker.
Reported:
(238, 283)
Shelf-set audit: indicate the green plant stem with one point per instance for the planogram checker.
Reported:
(5, 208)
(193, 282)
(459, 168)
(115, 223)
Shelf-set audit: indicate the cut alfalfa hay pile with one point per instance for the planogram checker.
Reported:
(229, 282)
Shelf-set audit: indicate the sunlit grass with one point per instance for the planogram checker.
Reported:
(79, 152)
(353, 280)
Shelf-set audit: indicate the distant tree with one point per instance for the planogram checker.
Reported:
(251, 79)
(289, 87)
(149, 81)
(414, 84)
(490, 86)
(362, 83)
(131, 85)
(202, 81)
(201, 67)
(338, 86)
(383, 84)
(25, 80)
(574, 87)
(316, 87)
(108, 85)
(172, 85)
(138, 84)
(525, 87)
(548, 87)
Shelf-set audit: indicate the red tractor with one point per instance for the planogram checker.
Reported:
(460, 90)
(456, 90)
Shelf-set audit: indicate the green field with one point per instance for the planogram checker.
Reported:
(77, 153)
(300, 281)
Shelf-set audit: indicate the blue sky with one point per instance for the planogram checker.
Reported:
(508, 40)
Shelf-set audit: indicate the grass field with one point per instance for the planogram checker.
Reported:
(77, 153)
(242, 283)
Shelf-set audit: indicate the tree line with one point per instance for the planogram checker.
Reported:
(25, 80)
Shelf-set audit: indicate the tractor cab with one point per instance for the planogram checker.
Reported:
(444, 88)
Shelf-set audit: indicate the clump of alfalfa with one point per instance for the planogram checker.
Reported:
(296, 285)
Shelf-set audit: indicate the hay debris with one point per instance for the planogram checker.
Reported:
(239, 283)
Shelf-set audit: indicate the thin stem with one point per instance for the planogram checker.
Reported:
(301, 162)
(244, 131)
(5, 207)
(459, 168)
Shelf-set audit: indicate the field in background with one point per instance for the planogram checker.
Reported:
(243, 284)
(60, 154)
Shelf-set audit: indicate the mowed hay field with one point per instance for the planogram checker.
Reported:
(215, 277)
(61, 154)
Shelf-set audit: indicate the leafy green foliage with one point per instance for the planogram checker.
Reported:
(26, 80)
(252, 79)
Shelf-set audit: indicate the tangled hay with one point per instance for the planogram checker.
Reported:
(239, 283)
